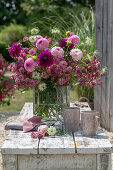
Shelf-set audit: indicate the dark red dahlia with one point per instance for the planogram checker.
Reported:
(15, 50)
(63, 43)
(45, 59)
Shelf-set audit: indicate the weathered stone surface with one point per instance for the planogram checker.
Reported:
(57, 145)
(9, 162)
(104, 162)
(92, 145)
(57, 162)
(19, 143)
(55, 153)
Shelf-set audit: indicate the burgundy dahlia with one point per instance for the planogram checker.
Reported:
(63, 43)
(15, 50)
(45, 59)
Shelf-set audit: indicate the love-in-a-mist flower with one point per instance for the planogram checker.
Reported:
(57, 52)
(42, 44)
(36, 76)
(15, 50)
(45, 59)
(55, 31)
(74, 39)
(42, 86)
(34, 31)
(88, 41)
(30, 65)
(32, 39)
(76, 54)
(51, 130)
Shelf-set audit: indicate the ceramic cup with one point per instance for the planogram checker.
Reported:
(71, 116)
(90, 122)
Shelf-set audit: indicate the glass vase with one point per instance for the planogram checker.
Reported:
(50, 102)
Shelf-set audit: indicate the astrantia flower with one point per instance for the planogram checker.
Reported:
(15, 50)
(1, 72)
(42, 86)
(74, 39)
(51, 131)
(32, 51)
(45, 59)
(40, 134)
(32, 39)
(1, 96)
(34, 31)
(63, 43)
(76, 54)
(37, 134)
(57, 51)
(34, 135)
(42, 44)
(30, 65)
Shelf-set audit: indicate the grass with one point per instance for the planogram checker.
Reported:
(18, 101)
(20, 98)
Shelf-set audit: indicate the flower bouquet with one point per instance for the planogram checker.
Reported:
(51, 69)
(6, 86)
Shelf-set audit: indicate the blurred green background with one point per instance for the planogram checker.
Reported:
(17, 18)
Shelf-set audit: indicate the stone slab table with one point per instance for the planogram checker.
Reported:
(66, 152)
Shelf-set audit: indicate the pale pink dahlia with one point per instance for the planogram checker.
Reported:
(15, 50)
(57, 52)
(45, 59)
(43, 128)
(42, 44)
(74, 39)
(76, 54)
(38, 37)
(30, 65)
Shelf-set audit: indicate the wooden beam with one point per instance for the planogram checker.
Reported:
(104, 45)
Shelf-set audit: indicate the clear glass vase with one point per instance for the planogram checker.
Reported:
(50, 102)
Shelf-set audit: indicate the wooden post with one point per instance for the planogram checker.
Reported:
(103, 99)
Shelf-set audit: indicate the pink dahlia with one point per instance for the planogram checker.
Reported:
(30, 65)
(76, 54)
(42, 44)
(15, 50)
(25, 39)
(45, 59)
(57, 51)
(32, 51)
(74, 39)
